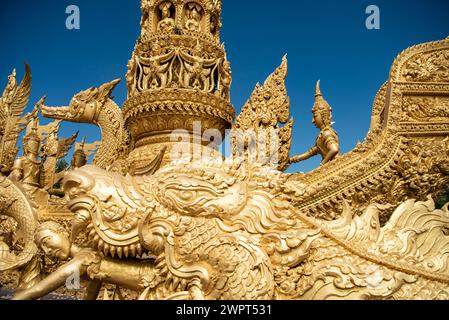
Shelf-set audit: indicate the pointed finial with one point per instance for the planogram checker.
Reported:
(82, 144)
(284, 59)
(318, 90)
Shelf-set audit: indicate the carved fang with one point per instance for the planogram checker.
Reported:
(100, 245)
(133, 250)
(106, 249)
(139, 249)
(113, 251)
(92, 234)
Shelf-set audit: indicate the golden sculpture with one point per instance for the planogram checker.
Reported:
(167, 23)
(12, 104)
(327, 144)
(85, 262)
(363, 225)
(82, 152)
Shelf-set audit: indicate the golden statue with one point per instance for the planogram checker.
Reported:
(12, 104)
(363, 225)
(83, 262)
(8, 93)
(193, 17)
(167, 23)
(327, 144)
(27, 169)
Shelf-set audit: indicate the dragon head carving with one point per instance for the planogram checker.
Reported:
(96, 106)
(160, 214)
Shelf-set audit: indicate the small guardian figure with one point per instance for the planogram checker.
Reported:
(193, 17)
(10, 89)
(27, 169)
(79, 158)
(225, 79)
(167, 23)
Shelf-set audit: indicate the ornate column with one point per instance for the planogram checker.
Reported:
(178, 78)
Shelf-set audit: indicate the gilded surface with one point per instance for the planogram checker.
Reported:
(145, 225)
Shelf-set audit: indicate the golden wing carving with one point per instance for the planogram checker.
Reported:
(260, 119)
(45, 130)
(22, 94)
(92, 148)
(65, 145)
(88, 148)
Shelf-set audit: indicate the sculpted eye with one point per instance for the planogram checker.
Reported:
(186, 195)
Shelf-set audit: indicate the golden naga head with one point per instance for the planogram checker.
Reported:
(84, 107)
(322, 111)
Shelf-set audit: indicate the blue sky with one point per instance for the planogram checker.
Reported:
(324, 40)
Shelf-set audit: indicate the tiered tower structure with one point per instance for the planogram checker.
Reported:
(178, 76)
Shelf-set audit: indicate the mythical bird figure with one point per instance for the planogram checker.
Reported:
(28, 168)
(156, 71)
(196, 70)
(12, 103)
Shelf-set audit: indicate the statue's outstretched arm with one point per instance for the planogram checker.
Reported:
(54, 281)
(309, 154)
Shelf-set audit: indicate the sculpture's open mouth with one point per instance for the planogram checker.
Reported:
(59, 113)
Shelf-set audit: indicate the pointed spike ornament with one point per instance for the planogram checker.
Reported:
(318, 89)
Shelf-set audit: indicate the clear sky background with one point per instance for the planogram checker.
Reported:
(324, 40)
